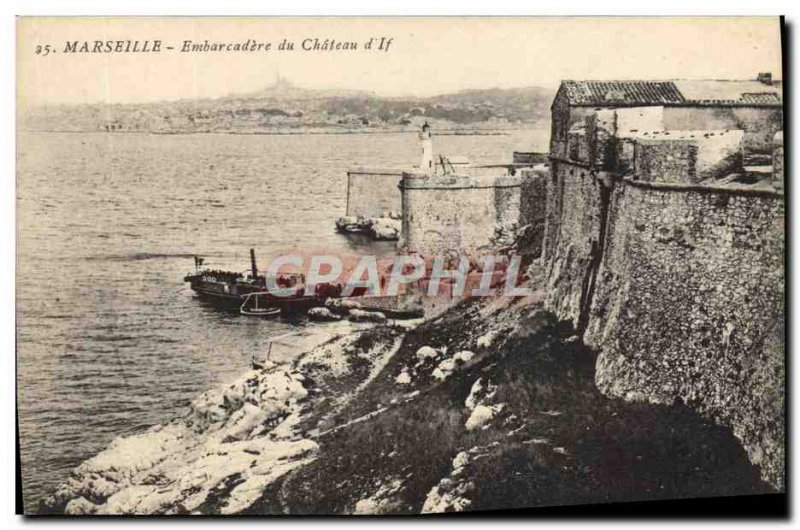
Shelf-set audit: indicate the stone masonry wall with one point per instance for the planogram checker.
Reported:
(758, 123)
(680, 288)
(373, 192)
(532, 211)
(677, 281)
(689, 305)
(456, 213)
(572, 236)
(684, 156)
(778, 163)
(507, 190)
(659, 161)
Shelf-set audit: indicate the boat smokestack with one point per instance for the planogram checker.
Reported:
(253, 268)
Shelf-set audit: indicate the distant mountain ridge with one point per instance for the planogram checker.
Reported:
(285, 107)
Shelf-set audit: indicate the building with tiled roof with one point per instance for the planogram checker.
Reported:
(594, 93)
(754, 106)
(677, 93)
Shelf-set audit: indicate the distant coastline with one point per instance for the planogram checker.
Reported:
(287, 109)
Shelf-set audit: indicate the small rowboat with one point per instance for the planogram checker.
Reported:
(265, 311)
(261, 312)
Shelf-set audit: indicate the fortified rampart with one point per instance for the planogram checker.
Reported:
(532, 210)
(688, 304)
(458, 212)
(667, 255)
(373, 192)
(446, 204)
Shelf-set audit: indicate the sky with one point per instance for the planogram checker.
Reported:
(427, 56)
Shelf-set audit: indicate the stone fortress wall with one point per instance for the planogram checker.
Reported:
(688, 304)
(449, 206)
(458, 212)
(373, 192)
(532, 209)
(659, 230)
(667, 255)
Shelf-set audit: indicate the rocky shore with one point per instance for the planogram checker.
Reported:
(491, 405)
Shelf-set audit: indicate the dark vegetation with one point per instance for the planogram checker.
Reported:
(557, 440)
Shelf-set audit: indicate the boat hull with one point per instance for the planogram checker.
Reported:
(230, 297)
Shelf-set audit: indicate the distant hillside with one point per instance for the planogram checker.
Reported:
(284, 107)
(284, 90)
(528, 104)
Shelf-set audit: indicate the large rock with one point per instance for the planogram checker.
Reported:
(358, 315)
(341, 306)
(351, 223)
(385, 228)
(322, 314)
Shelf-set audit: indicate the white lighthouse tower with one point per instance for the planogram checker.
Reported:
(426, 164)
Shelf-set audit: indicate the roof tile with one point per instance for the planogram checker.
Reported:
(621, 92)
(678, 92)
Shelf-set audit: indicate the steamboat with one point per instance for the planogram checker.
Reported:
(254, 294)
(248, 292)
